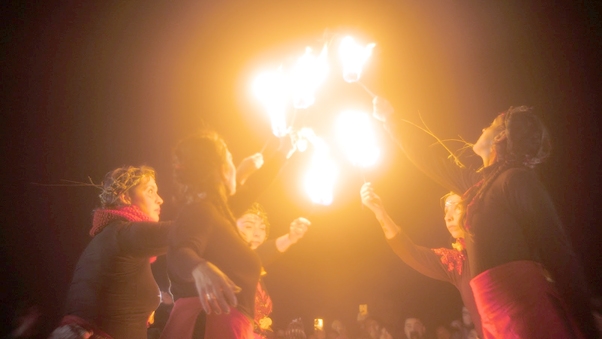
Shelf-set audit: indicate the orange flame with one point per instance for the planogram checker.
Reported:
(353, 57)
(307, 75)
(355, 132)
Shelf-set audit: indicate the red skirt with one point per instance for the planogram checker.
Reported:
(515, 300)
(182, 318)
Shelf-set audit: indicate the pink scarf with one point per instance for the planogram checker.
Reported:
(103, 217)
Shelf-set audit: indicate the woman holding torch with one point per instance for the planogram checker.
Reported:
(526, 279)
(450, 265)
(211, 267)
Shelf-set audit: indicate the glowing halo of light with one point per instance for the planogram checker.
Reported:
(353, 57)
(322, 174)
(356, 136)
(306, 76)
(271, 89)
(320, 179)
(295, 86)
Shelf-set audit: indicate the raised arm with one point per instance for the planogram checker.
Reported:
(144, 239)
(371, 200)
(296, 231)
(422, 259)
(275, 157)
(188, 241)
(271, 250)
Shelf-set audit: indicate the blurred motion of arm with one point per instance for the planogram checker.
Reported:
(248, 166)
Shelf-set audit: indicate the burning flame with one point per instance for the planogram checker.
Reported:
(355, 132)
(272, 91)
(307, 75)
(353, 57)
(321, 177)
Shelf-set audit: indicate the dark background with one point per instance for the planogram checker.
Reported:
(87, 87)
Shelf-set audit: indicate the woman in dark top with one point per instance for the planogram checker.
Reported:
(210, 266)
(441, 263)
(254, 227)
(113, 292)
(526, 281)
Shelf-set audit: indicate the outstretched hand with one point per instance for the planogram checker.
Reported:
(382, 109)
(248, 166)
(216, 291)
(371, 199)
(298, 228)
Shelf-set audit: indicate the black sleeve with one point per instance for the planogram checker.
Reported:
(268, 252)
(144, 239)
(188, 239)
(431, 158)
(422, 259)
(257, 183)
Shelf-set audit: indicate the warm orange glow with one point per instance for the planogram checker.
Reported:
(353, 57)
(303, 137)
(355, 132)
(319, 324)
(271, 90)
(306, 76)
(321, 177)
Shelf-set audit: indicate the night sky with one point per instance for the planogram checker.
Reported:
(87, 87)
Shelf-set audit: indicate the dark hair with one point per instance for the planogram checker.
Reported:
(198, 163)
(522, 142)
(120, 181)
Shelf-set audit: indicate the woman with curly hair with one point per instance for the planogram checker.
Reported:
(113, 292)
(254, 227)
(527, 282)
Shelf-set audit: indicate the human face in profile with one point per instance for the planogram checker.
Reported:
(453, 215)
(484, 146)
(145, 196)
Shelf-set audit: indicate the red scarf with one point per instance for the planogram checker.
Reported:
(103, 217)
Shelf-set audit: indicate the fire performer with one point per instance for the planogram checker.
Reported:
(210, 266)
(443, 264)
(527, 282)
(254, 227)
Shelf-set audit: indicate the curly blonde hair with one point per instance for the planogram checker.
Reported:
(120, 181)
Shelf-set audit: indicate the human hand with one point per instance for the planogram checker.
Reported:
(215, 289)
(166, 298)
(248, 166)
(382, 109)
(298, 228)
(371, 199)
